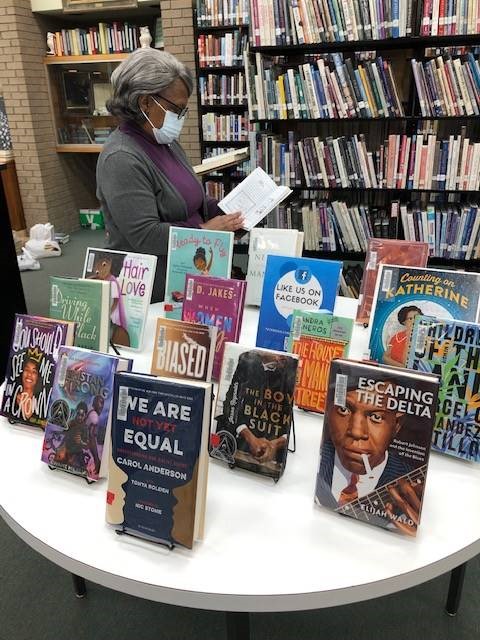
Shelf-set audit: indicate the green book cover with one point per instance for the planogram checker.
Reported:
(86, 302)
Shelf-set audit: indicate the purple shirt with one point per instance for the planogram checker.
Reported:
(178, 174)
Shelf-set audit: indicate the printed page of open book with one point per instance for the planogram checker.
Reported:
(255, 196)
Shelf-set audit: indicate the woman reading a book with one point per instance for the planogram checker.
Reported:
(145, 182)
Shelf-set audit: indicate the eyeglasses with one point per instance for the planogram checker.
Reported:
(179, 112)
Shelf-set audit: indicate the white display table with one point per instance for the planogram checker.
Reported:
(266, 548)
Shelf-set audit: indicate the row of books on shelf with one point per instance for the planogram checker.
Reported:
(448, 87)
(215, 89)
(219, 13)
(232, 127)
(103, 38)
(450, 231)
(335, 89)
(279, 23)
(221, 51)
(99, 416)
(419, 161)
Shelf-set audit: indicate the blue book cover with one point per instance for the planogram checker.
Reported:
(194, 251)
(159, 458)
(402, 293)
(294, 283)
(451, 350)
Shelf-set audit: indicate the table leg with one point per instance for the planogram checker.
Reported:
(238, 625)
(79, 586)
(455, 587)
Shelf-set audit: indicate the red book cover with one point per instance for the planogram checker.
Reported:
(386, 251)
(216, 302)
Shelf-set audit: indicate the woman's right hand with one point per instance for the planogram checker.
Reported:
(227, 222)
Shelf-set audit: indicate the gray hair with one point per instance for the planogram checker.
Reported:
(145, 72)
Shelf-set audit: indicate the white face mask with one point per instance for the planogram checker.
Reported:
(171, 127)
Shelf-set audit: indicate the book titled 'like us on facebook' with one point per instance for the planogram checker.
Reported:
(294, 283)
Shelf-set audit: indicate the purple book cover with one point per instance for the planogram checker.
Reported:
(79, 411)
(217, 302)
(31, 367)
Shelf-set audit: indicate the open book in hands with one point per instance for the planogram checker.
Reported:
(255, 196)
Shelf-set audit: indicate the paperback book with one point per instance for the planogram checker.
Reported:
(255, 197)
(294, 283)
(402, 293)
(450, 349)
(381, 251)
(86, 302)
(183, 350)
(317, 339)
(78, 425)
(253, 414)
(194, 251)
(131, 280)
(376, 443)
(157, 479)
(216, 302)
(31, 366)
(265, 242)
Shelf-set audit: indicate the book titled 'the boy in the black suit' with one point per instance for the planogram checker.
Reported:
(376, 443)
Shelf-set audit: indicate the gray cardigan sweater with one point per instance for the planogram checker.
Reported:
(139, 203)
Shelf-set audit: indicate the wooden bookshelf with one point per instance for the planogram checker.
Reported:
(101, 57)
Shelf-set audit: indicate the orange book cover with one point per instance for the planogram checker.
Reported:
(317, 339)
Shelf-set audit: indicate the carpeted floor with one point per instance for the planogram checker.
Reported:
(37, 601)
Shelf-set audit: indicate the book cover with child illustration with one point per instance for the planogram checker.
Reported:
(194, 251)
(131, 278)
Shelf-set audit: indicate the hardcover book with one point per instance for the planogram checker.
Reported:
(131, 280)
(216, 302)
(381, 251)
(317, 338)
(265, 242)
(158, 471)
(402, 293)
(294, 283)
(79, 412)
(194, 251)
(183, 350)
(31, 367)
(451, 350)
(253, 414)
(86, 302)
(376, 444)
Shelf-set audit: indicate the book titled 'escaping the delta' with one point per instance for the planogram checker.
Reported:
(376, 444)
